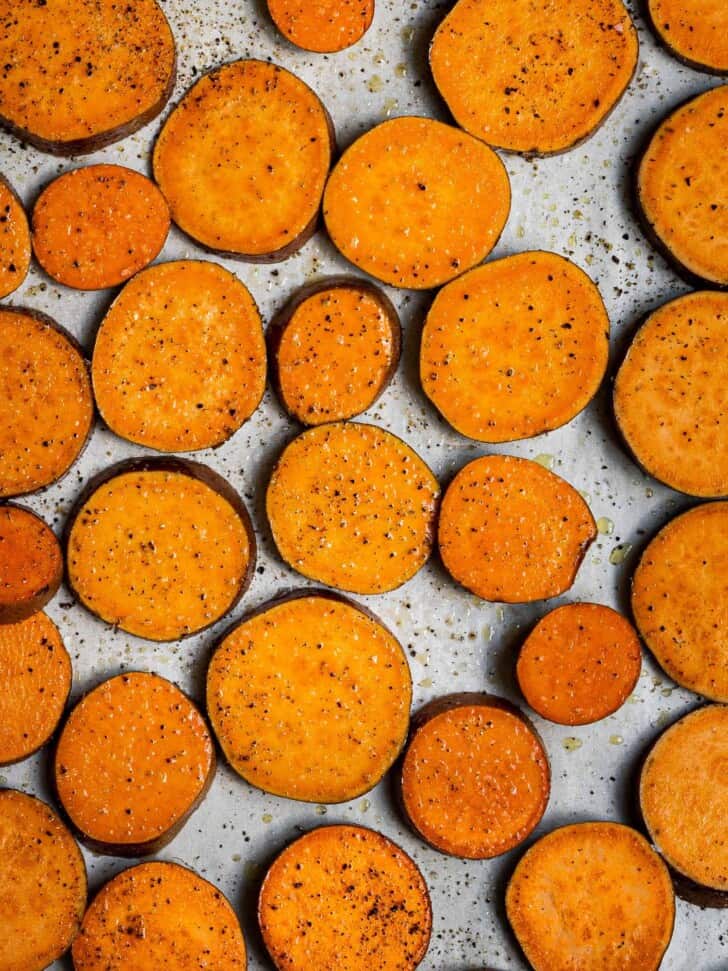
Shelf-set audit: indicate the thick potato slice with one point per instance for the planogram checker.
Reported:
(31, 563)
(322, 26)
(14, 240)
(695, 33)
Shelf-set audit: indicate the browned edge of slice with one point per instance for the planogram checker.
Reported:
(663, 39)
(12, 613)
(22, 271)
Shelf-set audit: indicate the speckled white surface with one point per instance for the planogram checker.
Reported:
(577, 205)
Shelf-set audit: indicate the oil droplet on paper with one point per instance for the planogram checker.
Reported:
(615, 739)
(364, 805)
(620, 553)
(572, 743)
(267, 818)
(605, 526)
(544, 459)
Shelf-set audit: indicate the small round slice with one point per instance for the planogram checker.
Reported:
(243, 160)
(48, 408)
(97, 226)
(352, 506)
(14, 240)
(515, 348)
(309, 698)
(161, 548)
(680, 599)
(511, 531)
(683, 793)
(179, 362)
(42, 884)
(360, 900)
(561, 67)
(31, 563)
(35, 680)
(682, 190)
(579, 664)
(159, 915)
(695, 33)
(325, 26)
(475, 777)
(671, 394)
(334, 349)
(415, 203)
(593, 896)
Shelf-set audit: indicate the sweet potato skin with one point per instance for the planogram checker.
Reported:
(14, 612)
(15, 227)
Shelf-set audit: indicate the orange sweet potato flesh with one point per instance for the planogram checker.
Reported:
(682, 191)
(361, 900)
(79, 74)
(352, 506)
(97, 226)
(671, 394)
(683, 793)
(35, 674)
(334, 349)
(579, 664)
(324, 26)
(512, 531)
(515, 348)
(14, 240)
(415, 203)
(309, 698)
(180, 361)
(475, 776)
(48, 405)
(695, 33)
(161, 548)
(593, 896)
(159, 915)
(259, 199)
(42, 884)
(680, 599)
(562, 66)
(31, 563)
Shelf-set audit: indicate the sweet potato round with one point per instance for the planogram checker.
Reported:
(309, 697)
(515, 348)
(352, 506)
(161, 548)
(180, 362)
(243, 160)
(512, 531)
(680, 598)
(48, 404)
(682, 191)
(362, 901)
(31, 563)
(474, 780)
(42, 884)
(592, 896)
(414, 202)
(694, 33)
(79, 74)
(14, 240)
(96, 226)
(324, 27)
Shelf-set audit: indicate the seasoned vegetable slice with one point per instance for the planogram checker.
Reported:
(695, 33)
(14, 240)
(31, 563)
(324, 26)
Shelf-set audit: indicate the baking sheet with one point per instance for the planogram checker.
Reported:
(577, 205)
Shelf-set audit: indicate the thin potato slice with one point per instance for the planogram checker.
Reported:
(694, 33)
(14, 240)
(31, 563)
(324, 26)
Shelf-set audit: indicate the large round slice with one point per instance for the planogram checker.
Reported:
(243, 160)
(515, 348)
(696, 33)
(414, 202)
(352, 506)
(344, 897)
(680, 599)
(325, 26)
(14, 240)
(31, 563)
(161, 548)
(179, 362)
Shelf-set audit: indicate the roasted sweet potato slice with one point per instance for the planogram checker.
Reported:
(31, 563)
(179, 361)
(159, 915)
(512, 531)
(352, 506)
(334, 348)
(682, 191)
(414, 202)
(474, 781)
(79, 74)
(680, 599)
(592, 896)
(671, 394)
(97, 226)
(161, 548)
(48, 405)
(14, 240)
(579, 664)
(695, 33)
(515, 348)
(258, 198)
(562, 66)
(35, 679)
(344, 897)
(42, 884)
(325, 26)
(309, 698)
(683, 793)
